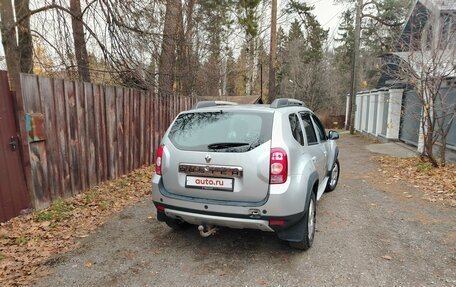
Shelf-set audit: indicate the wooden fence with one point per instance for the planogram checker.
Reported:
(81, 134)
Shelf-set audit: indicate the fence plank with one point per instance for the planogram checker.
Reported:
(147, 132)
(155, 125)
(137, 103)
(111, 130)
(98, 115)
(104, 133)
(73, 135)
(47, 97)
(81, 137)
(61, 132)
(126, 126)
(38, 155)
(91, 140)
(142, 106)
(120, 131)
(132, 96)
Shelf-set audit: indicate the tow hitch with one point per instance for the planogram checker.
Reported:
(207, 230)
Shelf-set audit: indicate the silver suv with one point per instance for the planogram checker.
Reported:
(246, 166)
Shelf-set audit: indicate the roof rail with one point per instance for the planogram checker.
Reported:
(284, 102)
(204, 104)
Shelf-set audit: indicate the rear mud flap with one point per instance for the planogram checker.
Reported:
(294, 233)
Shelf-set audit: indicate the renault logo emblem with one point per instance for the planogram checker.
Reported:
(208, 158)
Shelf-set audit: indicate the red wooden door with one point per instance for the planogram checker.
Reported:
(13, 190)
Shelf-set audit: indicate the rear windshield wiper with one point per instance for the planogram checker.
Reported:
(226, 145)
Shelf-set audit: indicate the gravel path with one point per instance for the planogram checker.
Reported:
(368, 234)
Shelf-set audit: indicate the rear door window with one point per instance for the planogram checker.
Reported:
(224, 131)
(309, 129)
(296, 130)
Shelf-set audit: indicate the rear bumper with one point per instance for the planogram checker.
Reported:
(198, 217)
(232, 222)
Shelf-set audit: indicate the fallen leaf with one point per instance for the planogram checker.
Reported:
(387, 257)
(27, 243)
(81, 236)
(88, 264)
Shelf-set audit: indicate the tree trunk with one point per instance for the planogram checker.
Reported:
(9, 42)
(168, 52)
(188, 79)
(272, 52)
(80, 48)
(443, 152)
(355, 71)
(250, 54)
(25, 37)
(225, 70)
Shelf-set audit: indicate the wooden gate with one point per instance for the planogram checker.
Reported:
(14, 196)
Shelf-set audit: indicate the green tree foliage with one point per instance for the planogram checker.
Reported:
(344, 51)
(382, 23)
(247, 16)
(302, 67)
(316, 38)
(295, 32)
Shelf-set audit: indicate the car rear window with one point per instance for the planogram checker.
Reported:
(222, 131)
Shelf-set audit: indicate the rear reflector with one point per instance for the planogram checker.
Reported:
(160, 208)
(276, 222)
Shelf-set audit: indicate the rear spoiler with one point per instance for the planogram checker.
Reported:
(205, 104)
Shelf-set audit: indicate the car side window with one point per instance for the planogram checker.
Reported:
(309, 129)
(296, 130)
(320, 128)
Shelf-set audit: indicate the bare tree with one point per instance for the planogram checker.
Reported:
(428, 64)
(82, 57)
(9, 42)
(272, 51)
(24, 35)
(168, 52)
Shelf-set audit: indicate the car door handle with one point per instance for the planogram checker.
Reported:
(314, 159)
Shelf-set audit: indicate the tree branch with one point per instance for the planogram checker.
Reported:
(378, 19)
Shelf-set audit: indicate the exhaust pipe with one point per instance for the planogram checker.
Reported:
(207, 230)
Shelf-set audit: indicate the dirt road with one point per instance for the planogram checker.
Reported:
(368, 234)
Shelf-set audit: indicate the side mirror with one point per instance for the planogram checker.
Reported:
(333, 135)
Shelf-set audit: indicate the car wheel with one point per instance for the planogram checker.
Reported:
(309, 228)
(333, 177)
(176, 224)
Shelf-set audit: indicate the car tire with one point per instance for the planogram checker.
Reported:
(333, 177)
(309, 226)
(176, 224)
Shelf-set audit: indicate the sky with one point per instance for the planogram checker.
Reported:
(328, 14)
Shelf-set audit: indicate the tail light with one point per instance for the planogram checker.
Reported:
(279, 166)
(158, 161)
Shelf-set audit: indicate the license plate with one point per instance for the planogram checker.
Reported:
(211, 183)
